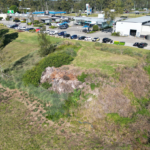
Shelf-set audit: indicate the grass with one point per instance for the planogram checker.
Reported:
(22, 46)
(88, 57)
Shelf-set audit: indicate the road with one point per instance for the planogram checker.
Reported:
(129, 41)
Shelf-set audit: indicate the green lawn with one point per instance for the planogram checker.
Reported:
(22, 46)
(88, 57)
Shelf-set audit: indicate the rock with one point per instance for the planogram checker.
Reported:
(61, 80)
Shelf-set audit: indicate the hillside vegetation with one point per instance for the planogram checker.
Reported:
(110, 111)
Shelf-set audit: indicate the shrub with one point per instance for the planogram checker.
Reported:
(82, 77)
(115, 34)
(29, 23)
(36, 22)
(1, 18)
(8, 18)
(33, 76)
(95, 28)
(23, 21)
(52, 27)
(16, 19)
(71, 52)
(46, 85)
(33, 30)
(92, 85)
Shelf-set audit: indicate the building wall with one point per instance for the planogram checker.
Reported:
(145, 30)
(3, 15)
(125, 27)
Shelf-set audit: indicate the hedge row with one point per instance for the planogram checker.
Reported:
(55, 59)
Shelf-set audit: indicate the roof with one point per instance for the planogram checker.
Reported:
(138, 20)
(92, 19)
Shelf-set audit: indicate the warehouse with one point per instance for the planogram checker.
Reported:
(138, 27)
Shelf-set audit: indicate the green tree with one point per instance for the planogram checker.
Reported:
(14, 7)
(45, 44)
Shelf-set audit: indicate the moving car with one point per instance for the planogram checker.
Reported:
(73, 37)
(66, 35)
(62, 33)
(88, 39)
(95, 39)
(81, 37)
(106, 40)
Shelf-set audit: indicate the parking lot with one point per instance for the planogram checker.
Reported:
(77, 30)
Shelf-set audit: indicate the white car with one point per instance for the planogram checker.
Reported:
(88, 39)
(47, 31)
(53, 32)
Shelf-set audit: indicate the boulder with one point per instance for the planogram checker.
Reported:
(62, 81)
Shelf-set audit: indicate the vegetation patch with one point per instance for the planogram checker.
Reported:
(82, 77)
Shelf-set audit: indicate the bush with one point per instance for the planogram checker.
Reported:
(92, 85)
(46, 85)
(8, 18)
(33, 76)
(82, 77)
(23, 21)
(115, 34)
(1, 18)
(16, 19)
(33, 30)
(29, 23)
(52, 27)
(95, 28)
(36, 22)
(71, 52)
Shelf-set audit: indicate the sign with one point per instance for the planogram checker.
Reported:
(10, 12)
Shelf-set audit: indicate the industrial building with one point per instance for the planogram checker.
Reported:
(138, 27)
(90, 21)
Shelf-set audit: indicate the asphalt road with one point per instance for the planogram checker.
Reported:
(129, 41)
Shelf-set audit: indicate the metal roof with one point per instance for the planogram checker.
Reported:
(138, 20)
(92, 19)
(51, 12)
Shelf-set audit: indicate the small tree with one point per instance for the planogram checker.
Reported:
(45, 44)
(95, 28)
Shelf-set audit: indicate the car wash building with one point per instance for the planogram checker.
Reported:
(90, 21)
(138, 27)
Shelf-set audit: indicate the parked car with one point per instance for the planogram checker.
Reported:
(81, 37)
(73, 37)
(95, 39)
(28, 29)
(66, 35)
(53, 32)
(62, 33)
(63, 27)
(22, 28)
(142, 45)
(84, 30)
(88, 39)
(136, 44)
(47, 31)
(106, 40)
(14, 26)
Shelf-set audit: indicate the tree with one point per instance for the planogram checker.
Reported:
(45, 44)
(128, 4)
(14, 7)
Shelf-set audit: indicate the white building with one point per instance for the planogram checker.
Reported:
(136, 26)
